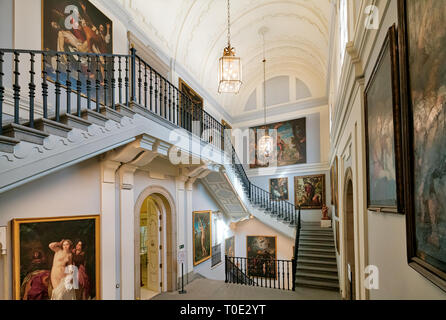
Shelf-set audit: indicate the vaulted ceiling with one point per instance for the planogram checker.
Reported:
(194, 33)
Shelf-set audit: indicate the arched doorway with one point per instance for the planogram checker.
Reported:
(155, 249)
(349, 238)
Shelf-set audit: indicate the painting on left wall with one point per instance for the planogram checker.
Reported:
(56, 258)
(202, 236)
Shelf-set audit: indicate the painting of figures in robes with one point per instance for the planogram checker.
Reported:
(278, 188)
(56, 258)
(423, 39)
(262, 256)
(291, 144)
(77, 26)
(309, 191)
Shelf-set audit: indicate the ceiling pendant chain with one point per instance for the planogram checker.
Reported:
(229, 25)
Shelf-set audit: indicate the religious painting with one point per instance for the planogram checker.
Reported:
(382, 124)
(230, 246)
(291, 144)
(76, 26)
(202, 236)
(422, 30)
(56, 258)
(334, 185)
(278, 188)
(262, 256)
(309, 191)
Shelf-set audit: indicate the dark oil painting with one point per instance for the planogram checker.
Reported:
(56, 258)
(310, 191)
(291, 144)
(262, 255)
(425, 21)
(381, 111)
(76, 26)
(278, 187)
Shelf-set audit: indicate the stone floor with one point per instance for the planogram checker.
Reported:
(205, 289)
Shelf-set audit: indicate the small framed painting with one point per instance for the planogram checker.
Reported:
(278, 188)
(202, 234)
(230, 246)
(309, 191)
(56, 258)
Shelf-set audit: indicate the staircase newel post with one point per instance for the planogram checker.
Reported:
(133, 74)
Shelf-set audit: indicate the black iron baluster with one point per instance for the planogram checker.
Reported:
(162, 108)
(16, 87)
(79, 86)
(288, 274)
(178, 107)
(127, 81)
(133, 80)
(44, 87)
(105, 80)
(156, 92)
(68, 85)
(58, 87)
(32, 89)
(113, 83)
(2, 91)
(165, 99)
(151, 88)
(89, 82)
(98, 84)
(120, 80)
(139, 82)
(170, 102)
(145, 85)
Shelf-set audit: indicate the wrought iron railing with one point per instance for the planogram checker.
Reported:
(296, 247)
(267, 273)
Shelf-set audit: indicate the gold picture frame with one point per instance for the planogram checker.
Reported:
(251, 268)
(198, 227)
(38, 241)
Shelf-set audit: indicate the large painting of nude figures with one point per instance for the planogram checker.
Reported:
(76, 26)
(422, 28)
(56, 258)
(291, 144)
(202, 233)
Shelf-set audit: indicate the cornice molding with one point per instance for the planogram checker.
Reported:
(297, 169)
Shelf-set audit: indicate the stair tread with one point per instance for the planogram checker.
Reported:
(326, 269)
(317, 283)
(316, 275)
(316, 261)
(316, 244)
(318, 255)
(305, 248)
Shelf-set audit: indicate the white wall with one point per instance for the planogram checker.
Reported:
(74, 191)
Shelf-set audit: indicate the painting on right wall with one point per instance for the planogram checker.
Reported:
(422, 32)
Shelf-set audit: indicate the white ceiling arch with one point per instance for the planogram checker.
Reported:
(194, 33)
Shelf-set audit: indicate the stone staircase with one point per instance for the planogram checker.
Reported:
(316, 261)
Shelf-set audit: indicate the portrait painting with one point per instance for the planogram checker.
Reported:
(202, 236)
(382, 121)
(309, 191)
(278, 188)
(230, 246)
(56, 258)
(76, 26)
(261, 256)
(422, 28)
(291, 144)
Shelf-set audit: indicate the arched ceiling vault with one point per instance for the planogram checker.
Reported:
(194, 33)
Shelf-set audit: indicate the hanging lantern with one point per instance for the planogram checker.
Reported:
(266, 144)
(229, 67)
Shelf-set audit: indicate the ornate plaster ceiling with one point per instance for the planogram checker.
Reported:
(194, 33)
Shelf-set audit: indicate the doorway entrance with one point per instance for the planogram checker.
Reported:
(349, 237)
(150, 252)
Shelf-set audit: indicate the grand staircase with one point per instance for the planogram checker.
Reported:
(316, 260)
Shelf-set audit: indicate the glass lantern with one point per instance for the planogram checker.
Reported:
(229, 72)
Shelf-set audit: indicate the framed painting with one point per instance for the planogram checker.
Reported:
(76, 26)
(335, 193)
(278, 188)
(262, 255)
(332, 184)
(423, 68)
(309, 191)
(202, 234)
(230, 246)
(382, 126)
(56, 258)
(291, 143)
